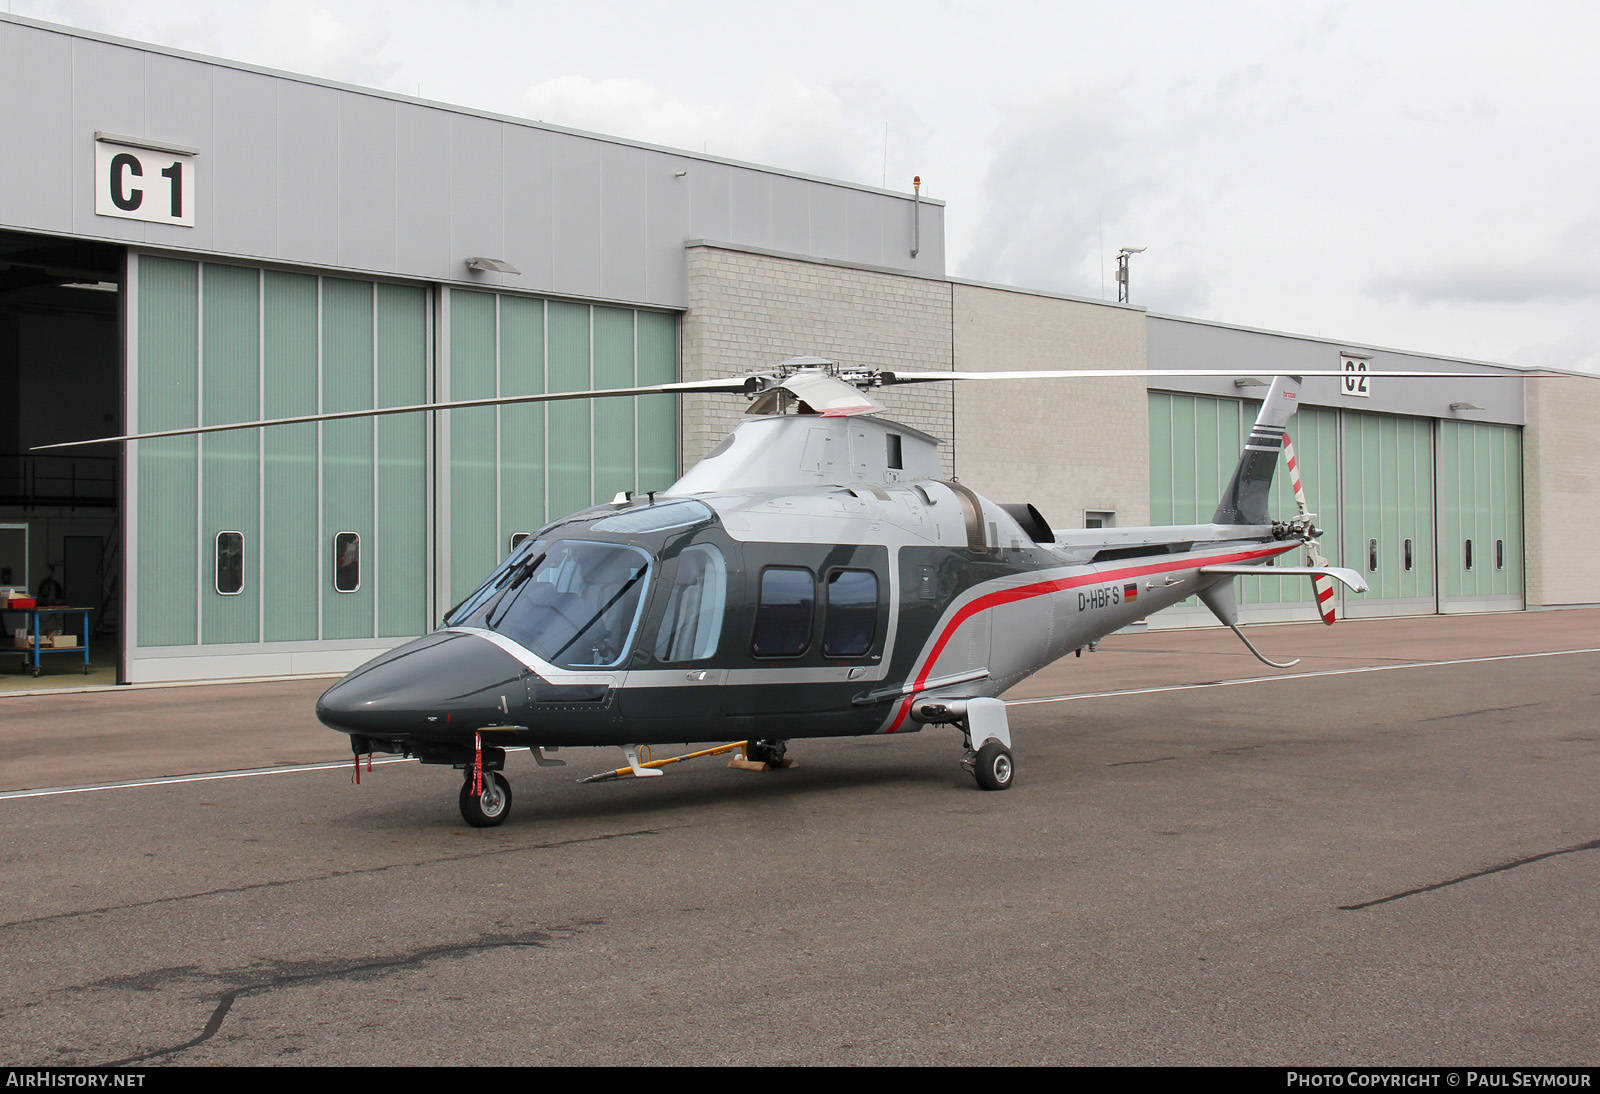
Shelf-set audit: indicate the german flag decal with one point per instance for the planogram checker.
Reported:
(1130, 593)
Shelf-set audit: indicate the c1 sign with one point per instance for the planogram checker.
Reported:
(139, 182)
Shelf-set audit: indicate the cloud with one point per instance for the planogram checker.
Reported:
(349, 42)
(1479, 282)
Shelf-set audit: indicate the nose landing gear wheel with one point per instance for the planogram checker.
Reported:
(489, 808)
(993, 768)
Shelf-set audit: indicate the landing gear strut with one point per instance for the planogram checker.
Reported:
(490, 805)
(981, 721)
(766, 752)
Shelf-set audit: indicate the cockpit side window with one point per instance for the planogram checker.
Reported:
(696, 603)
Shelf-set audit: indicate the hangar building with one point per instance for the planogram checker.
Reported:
(186, 240)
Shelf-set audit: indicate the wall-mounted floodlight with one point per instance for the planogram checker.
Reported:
(491, 265)
(1122, 272)
(1457, 408)
(1248, 381)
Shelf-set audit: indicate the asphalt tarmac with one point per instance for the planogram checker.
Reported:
(1387, 855)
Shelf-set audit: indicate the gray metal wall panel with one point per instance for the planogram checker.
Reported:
(38, 187)
(179, 108)
(575, 192)
(751, 198)
(367, 173)
(289, 167)
(865, 224)
(791, 215)
(711, 201)
(827, 210)
(668, 201)
(242, 163)
(624, 222)
(530, 213)
(308, 177)
(1177, 343)
(477, 195)
(422, 143)
(106, 83)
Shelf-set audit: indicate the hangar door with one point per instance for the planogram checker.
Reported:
(1195, 441)
(1429, 512)
(1480, 517)
(233, 534)
(505, 471)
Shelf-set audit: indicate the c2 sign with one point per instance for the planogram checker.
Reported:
(138, 182)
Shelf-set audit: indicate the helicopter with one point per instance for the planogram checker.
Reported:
(815, 575)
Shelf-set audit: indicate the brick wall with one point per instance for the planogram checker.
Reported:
(1064, 445)
(750, 311)
(1562, 481)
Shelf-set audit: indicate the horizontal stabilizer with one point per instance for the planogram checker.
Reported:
(1342, 574)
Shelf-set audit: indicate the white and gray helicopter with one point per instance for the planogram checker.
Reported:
(816, 575)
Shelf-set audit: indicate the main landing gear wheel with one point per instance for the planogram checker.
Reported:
(766, 752)
(993, 767)
(491, 806)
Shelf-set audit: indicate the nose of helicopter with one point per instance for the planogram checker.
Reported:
(443, 681)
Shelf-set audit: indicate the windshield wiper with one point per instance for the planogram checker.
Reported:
(595, 618)
(518, 576)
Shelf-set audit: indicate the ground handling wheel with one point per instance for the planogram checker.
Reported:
(993, 767)
(490, 806)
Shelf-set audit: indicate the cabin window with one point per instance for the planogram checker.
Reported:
(230, 563)
(346, 562)
(784, 615)
(851, 620)
(695, 606)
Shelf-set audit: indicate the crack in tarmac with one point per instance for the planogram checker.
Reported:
(294, 973)
(463, 857)
(1592, 845)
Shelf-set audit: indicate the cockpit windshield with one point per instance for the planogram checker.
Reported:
(572, 603)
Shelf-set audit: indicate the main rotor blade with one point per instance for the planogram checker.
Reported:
(734, 384)
(898, 376)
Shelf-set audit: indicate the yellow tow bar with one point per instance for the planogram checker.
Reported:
(623, 772)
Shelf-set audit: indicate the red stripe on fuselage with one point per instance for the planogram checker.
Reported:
(1044, 588)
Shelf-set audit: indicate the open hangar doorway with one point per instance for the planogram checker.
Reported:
(61, 378)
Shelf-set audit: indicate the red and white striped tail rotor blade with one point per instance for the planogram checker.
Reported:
(1321, 587)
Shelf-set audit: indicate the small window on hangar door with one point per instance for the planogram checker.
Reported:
(347, 562)
(230, 563)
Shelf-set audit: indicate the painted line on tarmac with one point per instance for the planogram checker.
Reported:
(212, 776)
(1291, 676)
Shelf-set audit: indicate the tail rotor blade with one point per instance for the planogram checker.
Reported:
(1321, 587)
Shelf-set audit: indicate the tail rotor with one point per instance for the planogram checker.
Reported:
(1321, 586)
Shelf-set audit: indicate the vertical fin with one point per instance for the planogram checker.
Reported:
(1245, 500)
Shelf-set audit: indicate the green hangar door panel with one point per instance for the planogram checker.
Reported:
(1389, 513)
(1480, 517)
(506, 471)
(235, 534)
(1194, 446)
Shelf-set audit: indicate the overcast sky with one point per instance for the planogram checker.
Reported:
(1422, 176)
